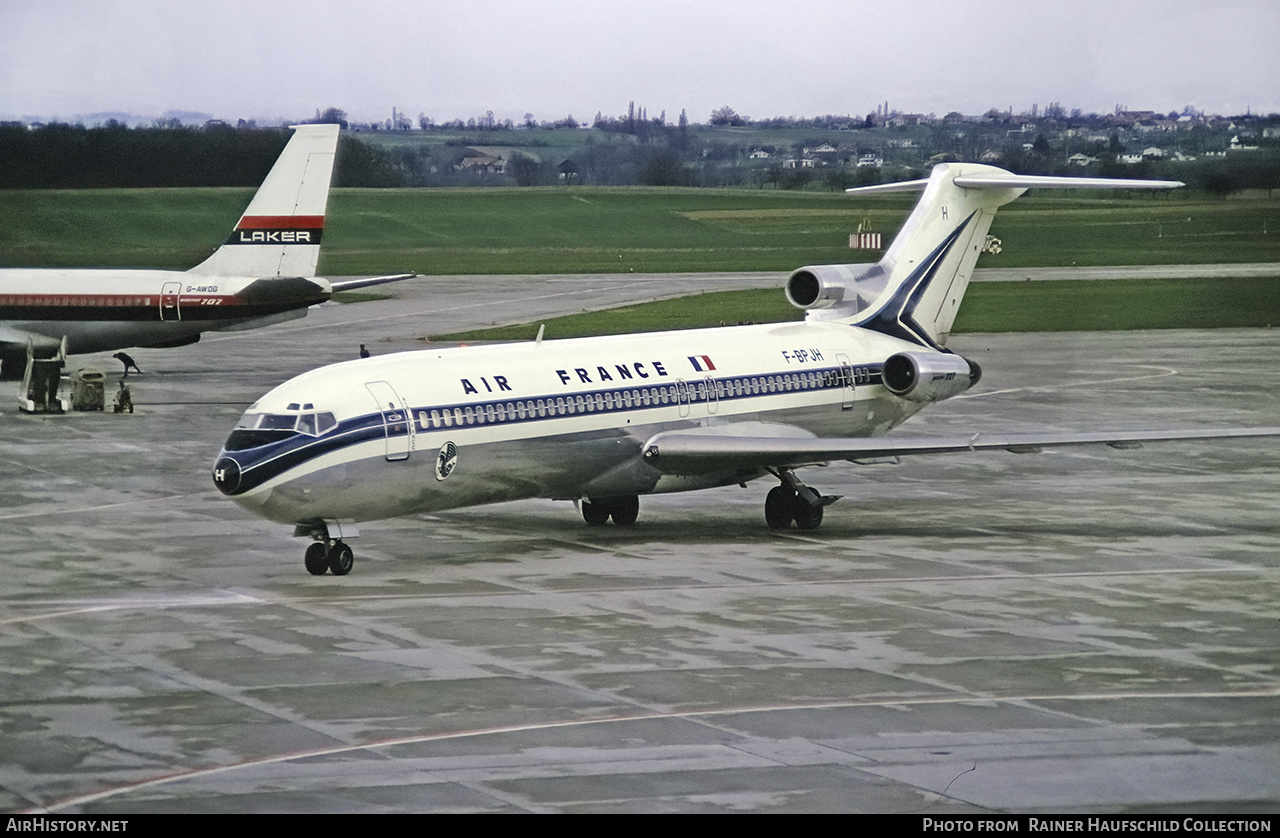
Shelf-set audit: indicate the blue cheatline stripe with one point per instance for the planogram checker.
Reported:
(695, 391)
(260, 464)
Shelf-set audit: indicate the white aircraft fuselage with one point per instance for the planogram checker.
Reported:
(101, 309)
(568, 419)
(605, 420)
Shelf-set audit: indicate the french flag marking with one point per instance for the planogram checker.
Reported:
(701, 363)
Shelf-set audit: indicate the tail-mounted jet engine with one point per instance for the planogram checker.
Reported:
(816, 287)
(848, 287)
(929, 377)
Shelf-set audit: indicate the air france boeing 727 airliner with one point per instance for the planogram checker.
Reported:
(604, 420)
(264, 274)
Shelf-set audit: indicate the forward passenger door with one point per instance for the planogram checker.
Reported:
(396, 421)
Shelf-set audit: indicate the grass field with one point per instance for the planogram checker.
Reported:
(604, 230)
(558, 143)
(1059, 306)
(559, 230)
(693, 312)
(1108, 305)
(145, 228)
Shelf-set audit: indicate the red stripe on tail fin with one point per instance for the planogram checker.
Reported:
(281, 222)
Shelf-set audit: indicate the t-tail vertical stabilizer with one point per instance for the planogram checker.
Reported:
(914, 292)
(279, 234)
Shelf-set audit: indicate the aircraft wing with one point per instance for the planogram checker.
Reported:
(14, 341)
(695, 453)
(365, 281)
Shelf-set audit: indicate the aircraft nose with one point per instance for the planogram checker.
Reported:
(226, 475)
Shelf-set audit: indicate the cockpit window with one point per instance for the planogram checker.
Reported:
(277, 422)
(256, 429)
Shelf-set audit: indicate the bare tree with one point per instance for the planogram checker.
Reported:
(727, 116)
(331, 116)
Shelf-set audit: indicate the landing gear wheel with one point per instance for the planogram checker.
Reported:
(595, 512)
(624, 510)
(317, 558)
(341, 559)
(779, 507)
(807, 517)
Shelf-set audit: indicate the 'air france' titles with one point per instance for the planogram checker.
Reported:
(598, 374)
(499, 381)
(638, 369)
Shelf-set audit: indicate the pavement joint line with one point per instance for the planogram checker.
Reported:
(1259, 692)
(250, 599)
(42, 514)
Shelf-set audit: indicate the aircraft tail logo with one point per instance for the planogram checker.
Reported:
(279, 234)
(914, 292)
(278, 229)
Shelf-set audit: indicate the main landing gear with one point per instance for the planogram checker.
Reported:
(623, 510)
(333, 556)
(794, 501)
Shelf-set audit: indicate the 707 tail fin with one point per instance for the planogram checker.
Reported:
(914, 291)
(279, 234)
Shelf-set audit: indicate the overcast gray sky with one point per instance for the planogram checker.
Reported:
(284, 59)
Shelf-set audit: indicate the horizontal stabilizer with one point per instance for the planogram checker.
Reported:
(365, 281)
(914, 291)
(1008, 180)
(1011, 181)
(688, 453)
(881, 188)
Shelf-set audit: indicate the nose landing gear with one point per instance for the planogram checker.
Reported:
(335, 557)
(327, 551)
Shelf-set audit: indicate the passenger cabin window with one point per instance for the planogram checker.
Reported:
(708, 390)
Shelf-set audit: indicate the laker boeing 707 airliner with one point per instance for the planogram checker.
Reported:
(604, 420)
(265, 273)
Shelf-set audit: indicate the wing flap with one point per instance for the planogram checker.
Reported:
(694, 453)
